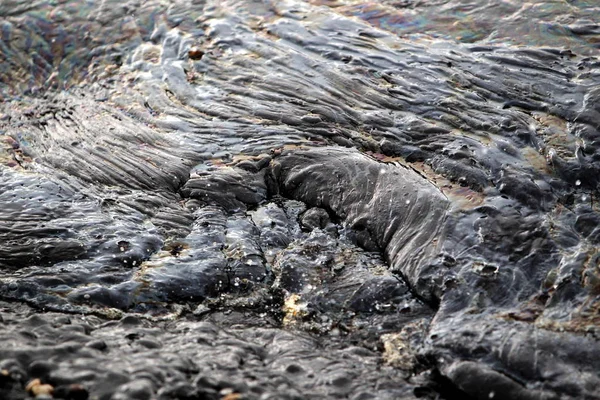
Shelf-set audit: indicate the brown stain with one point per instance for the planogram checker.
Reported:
(554, 133)
(462, 197)
(583, 319)
(536, 159)
(11, 153)
(529, 311)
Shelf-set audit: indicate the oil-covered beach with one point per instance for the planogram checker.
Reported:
(286, 199)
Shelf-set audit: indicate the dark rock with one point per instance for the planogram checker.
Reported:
(41, 369)
(71, 392)
(315, 218)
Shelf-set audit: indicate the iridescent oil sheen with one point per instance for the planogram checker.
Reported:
(506, 23)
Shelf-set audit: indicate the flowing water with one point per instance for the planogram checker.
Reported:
(301, 199)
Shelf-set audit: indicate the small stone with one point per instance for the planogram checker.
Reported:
(11, 369)
(195, 53)
(314, 218)
(149, 344)
(232, 396)
(294, 369)
(201, 310)
(140, 389)
(202, 381)
(37, 388)
(97, 344)
(133, 336)
(71, 392)
(123, 245)
(41, 368)
(61, 320)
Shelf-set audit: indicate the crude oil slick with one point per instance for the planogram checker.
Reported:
(300, 199)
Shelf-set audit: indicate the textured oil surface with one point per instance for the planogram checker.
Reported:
(300, 199)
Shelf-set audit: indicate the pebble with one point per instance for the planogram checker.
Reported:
(140, 389)
(195, 53)
(97, 344)
(41, 368)
(71, 392)
(37, 388)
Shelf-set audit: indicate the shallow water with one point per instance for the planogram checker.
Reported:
(416, 176)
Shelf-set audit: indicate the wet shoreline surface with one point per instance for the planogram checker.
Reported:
(287, 199)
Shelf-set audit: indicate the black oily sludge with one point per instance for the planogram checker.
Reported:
(281, 187)
(485, 285)
(388, 208)
(247, 237)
